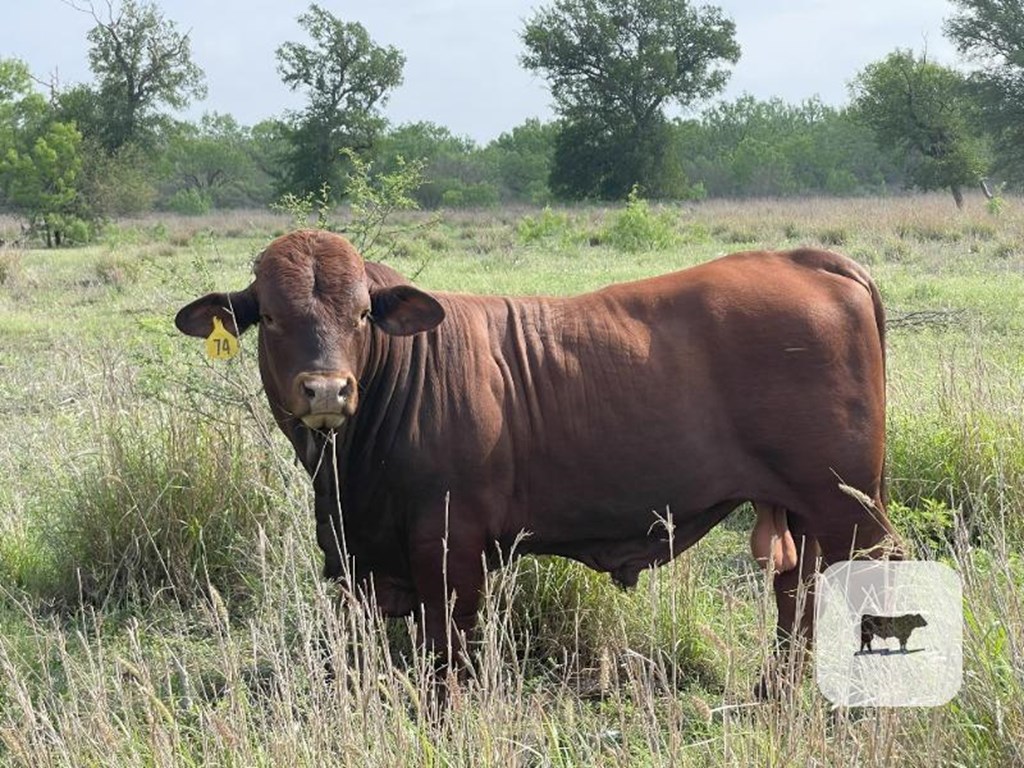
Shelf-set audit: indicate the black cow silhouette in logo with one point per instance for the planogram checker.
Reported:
(899, 627)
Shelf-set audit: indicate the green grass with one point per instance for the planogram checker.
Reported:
(162, 603)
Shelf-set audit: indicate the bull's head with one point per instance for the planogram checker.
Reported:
(315, 307)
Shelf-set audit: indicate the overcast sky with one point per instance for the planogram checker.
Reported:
(462, 56)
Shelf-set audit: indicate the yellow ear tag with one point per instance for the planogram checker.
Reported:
(221, 343)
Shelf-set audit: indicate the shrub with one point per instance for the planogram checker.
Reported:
(10, 265)
(302, 207)
(77, 232)
(190, 202)
(462, 195)
(163, 507)
(929, 526)
(995, 205)
(375, 197)
(636, 228)
(547, 224)
(118, 271)
(833, 236)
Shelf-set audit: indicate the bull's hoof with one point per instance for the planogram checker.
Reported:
(767, 688)
(778, 680)
(332, 568)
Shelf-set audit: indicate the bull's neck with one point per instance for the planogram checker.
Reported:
(390, 385)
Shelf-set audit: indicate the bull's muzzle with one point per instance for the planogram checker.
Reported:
(324, 401)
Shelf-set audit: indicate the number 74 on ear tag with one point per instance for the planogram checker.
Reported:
(221, 344)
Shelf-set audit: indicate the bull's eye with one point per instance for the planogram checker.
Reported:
(266, 319)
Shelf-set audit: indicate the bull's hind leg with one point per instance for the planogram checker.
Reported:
(794, 594)
(865, 534)
(794, 601)
(850, 527)
(774, 544)
(844, 528)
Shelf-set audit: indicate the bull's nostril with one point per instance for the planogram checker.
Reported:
(308, 391)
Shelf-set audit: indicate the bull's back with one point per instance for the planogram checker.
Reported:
(684, 389)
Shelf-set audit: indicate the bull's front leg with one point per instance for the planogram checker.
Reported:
(448, 574)
(326, 508)
(328, 532)
(317, 454)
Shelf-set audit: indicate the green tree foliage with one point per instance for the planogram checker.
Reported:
(272, 149)
(346, 77)
(749, 148)
(141, 63)
(614, 66)
(118, 183)
(924, 111)
(115, 180)
(991, 34)
(81, 104)
(20, 107)
(40, 158)
(214, 164)
(592, 161)
(39, 179)
(453, 170)
(521, 159)
(459, 173)
(424, 141)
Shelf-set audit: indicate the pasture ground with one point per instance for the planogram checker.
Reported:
(161, 603)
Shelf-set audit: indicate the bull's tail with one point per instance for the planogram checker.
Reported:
(876, 301)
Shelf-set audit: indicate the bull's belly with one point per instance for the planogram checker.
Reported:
(632, 498)
(626, 550)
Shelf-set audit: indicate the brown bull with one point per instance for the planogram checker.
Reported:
(462, 422)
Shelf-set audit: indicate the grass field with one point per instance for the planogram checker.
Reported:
(161, 603)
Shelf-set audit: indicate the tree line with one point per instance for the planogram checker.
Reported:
(72, 157)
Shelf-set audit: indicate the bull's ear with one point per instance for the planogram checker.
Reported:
(402, 310)
(238, 311)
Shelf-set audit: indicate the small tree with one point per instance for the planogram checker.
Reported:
(923, 110)
(346, 78)
(40, 156)
(141, 62)
(39, 179)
